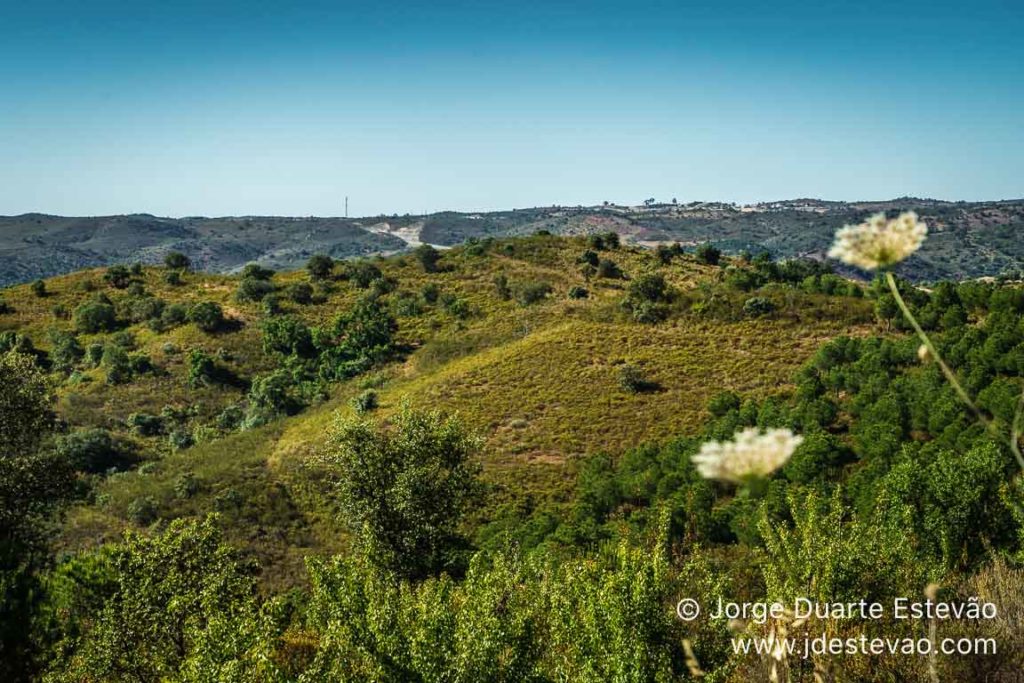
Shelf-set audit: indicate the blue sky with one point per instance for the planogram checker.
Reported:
(217, 108)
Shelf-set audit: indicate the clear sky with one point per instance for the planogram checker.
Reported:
(254, 107)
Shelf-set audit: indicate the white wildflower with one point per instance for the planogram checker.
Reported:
(749, 454)
(879, 242)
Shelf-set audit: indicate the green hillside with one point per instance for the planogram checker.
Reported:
(540, 381)
(583, 375)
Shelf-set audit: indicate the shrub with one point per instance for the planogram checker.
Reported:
(186, 485)
(402, 491)
(365, 402)
(532, 292)
(271, 396)
(501, 287)
(59, 311)
(143, 510)
(272, 305)
(577, 292)
(175, 260)
(383, 285)
(288, 336)
(145, 308)
(632, 379)
(207, 316)
(90, 450)
(25, 415)
(430, 292)
(202, 370)
(255, 271)
(116, 364)
(173, 315)
(253, 289)
(456, 306)
(117, 277)
(758, 306)
(144, 424)
(67, 352)
(428, 257)
(231, 418)
(722, 403)
(95, 316)
(172, 278)
(94, 354)
(649, 287)
(589, 256)
(320, 267)
(180, 439)
(363, 273)
(609, 269)
(300, 292)
(646, 312)
(39, 288)
(708, 253)
(611, 240)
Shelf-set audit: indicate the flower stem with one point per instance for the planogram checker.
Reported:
(954, 382)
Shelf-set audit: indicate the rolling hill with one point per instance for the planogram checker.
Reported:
(969, 239)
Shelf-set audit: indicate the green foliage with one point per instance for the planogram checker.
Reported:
(95, 316)
(532, 292)
(633, 380)
(300, 292)
(39, 288)
(207, 316)
(202, 368)
(757, 306)
(25, 412)
(116, 364)
(355, 340)
(271, 396)
(117, 276)
(577, 292)
(320, 267)
(91, 450)
(175, 260)
(288, 336)
(253, 289)
(363, 273)
(428, 257)
(609, 269)
(708, 253)
(176, 598)
(501, 287)
(402, 492)
(365, 401)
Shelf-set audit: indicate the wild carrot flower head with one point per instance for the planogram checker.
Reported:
(879, 242)
(750, 454)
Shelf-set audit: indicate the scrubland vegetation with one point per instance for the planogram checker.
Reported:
(476, 465)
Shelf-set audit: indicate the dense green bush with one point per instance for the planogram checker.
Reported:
(95, 316)
(253, 289)
(207, 316)
(91, 450)
(609, 269)
(529, 293)
(402, 492)
(175, 260)
(320, 267)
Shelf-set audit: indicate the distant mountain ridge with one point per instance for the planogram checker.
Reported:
(967, 239)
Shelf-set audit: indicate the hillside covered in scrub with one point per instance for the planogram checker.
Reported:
(356, 535)
(969, 239)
